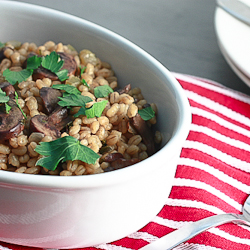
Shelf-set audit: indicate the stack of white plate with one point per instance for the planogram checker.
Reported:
(234, 41)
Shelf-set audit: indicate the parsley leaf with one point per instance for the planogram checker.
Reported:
(17, 76)
(4, 99)
(34, 62)
(7, 108)
(67, 88)
(74, 100)
(16, 98)
(64, 149)
(62, 75)
(82, 70)
(52, 62)
(84, 83)
(102, 91)
(146, 113)
(2, 45)
(96, 110)
(82, 111)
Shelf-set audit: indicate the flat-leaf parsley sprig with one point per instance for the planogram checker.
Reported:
(67, 88)
(2, 45)
(102, 91)
(51, 62)
(54, 63)
(17, 76)
(72, 98)
(16, 98)
(146, 113)
(64, 149)
(4, 99)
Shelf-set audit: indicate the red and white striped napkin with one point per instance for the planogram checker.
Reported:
(213, 174)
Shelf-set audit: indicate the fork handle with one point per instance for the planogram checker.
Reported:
(188, 231)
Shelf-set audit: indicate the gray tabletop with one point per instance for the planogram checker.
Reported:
(178, 33)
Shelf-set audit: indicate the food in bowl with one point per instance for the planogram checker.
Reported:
(65, 212)
(62, 113)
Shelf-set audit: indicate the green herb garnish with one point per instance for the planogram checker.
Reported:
(34, 62)
(54, 63)
(94, 111)
(67, 88)
(74, 101)
(146, 113)
(4, 99)
(62, 75)
(17, 76)
(50, 62)
(102, 91)
(16, 98)
(84, 83)
(64, 149)
(72, 98)
(2, 45)
(7, 108)
(82, 69)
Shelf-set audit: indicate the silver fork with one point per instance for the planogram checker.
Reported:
(187, 232)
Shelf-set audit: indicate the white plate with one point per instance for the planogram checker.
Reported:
(234, 41)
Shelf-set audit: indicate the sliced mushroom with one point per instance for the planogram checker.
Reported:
(8, 89)
(60, 118)
(50, 125)
(2, 56)
(69, 64)
(41, 124)
(146, 133)
(11, 124)
(125, 90)
(112, 157)
(50, 98)
(121, 163)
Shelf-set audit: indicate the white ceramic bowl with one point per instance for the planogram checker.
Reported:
(71, 212)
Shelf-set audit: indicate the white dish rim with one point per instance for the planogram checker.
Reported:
(230, 33)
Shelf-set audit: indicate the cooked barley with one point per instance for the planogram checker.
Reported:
(112, 132)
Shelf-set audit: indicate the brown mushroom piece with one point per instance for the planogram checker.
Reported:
(41, 124)
(112, 157)
(69, 64)
(121, 163)
(11, 124)
(8, 89)
(50, 99)
(146, 133)
(50, 125)
(117, 161)
(2, 56)
(125, 90)
(60, 118)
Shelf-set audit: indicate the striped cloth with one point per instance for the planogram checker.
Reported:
(212, 175)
